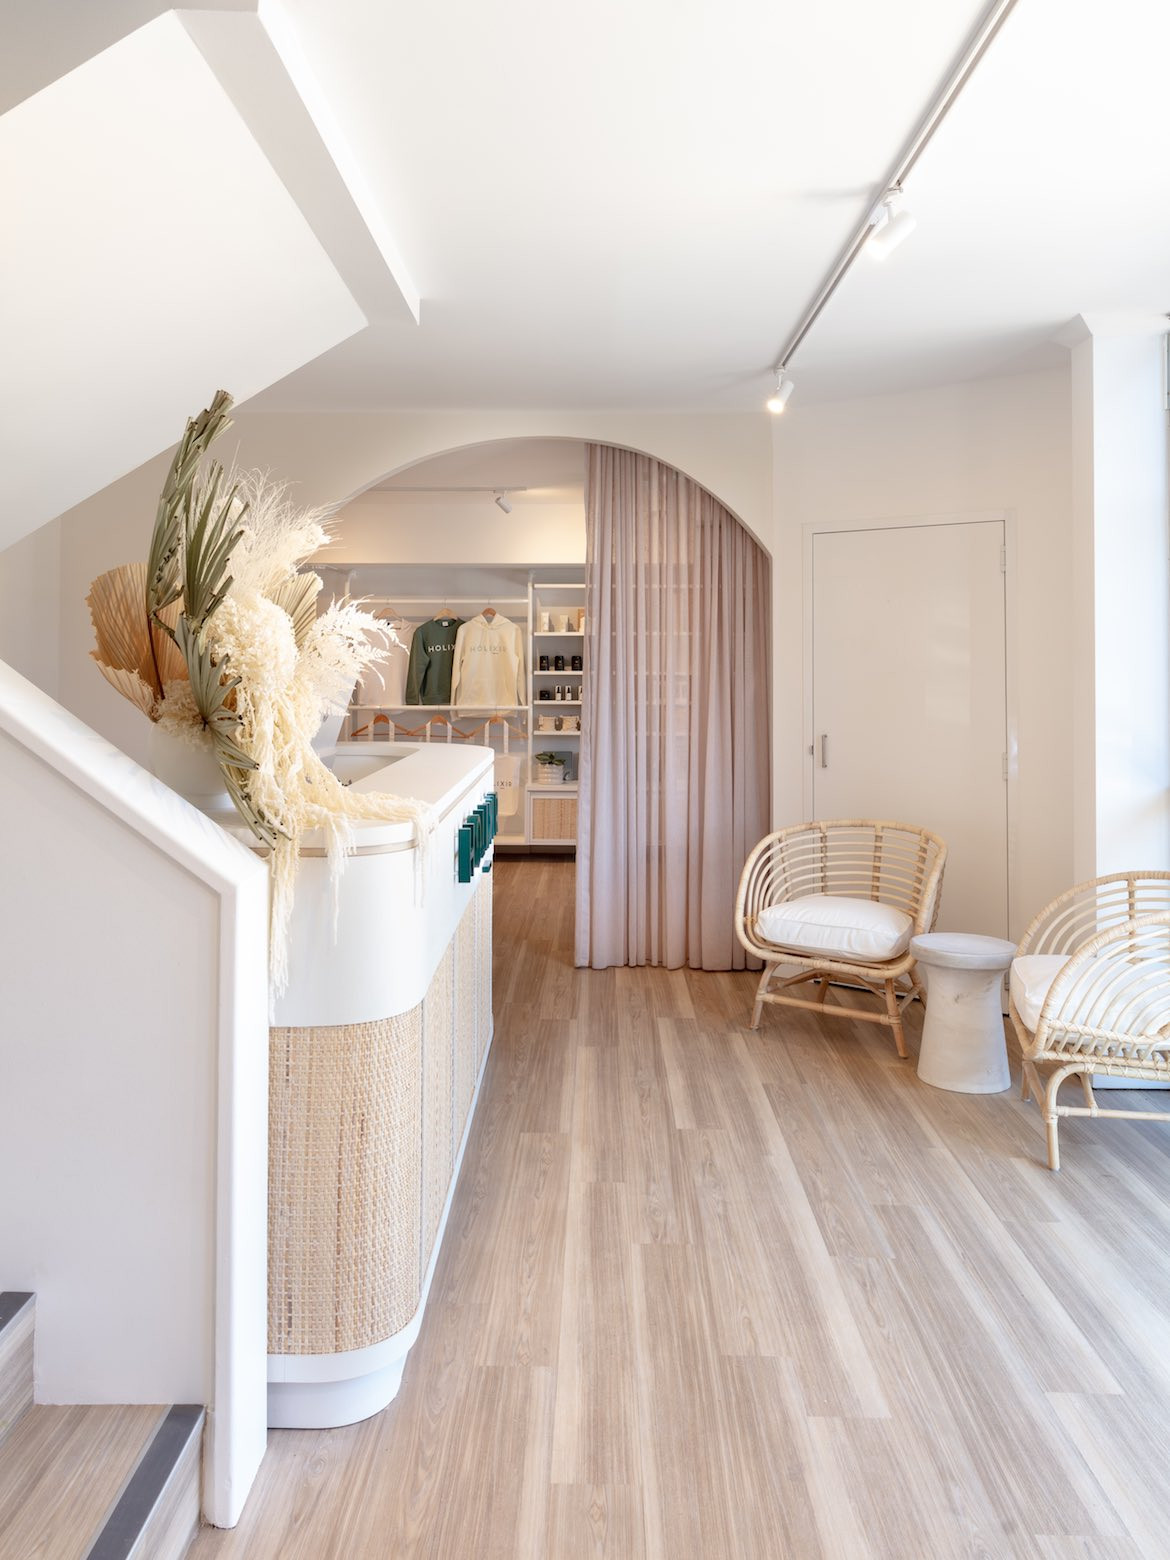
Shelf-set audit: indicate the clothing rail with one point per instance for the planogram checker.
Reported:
(446, 601)
(455, 733)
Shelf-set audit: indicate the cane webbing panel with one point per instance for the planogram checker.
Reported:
(483, 969)
(438, 1076)
(554, 818)
(345, 1123)
(466, 1004)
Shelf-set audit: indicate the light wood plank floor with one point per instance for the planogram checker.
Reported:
(715, 1295)
(61, 1472)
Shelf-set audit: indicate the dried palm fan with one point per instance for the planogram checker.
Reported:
(130, 686)
(125, 654)
(298, 597)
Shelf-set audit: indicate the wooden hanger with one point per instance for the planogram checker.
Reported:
(488, 612)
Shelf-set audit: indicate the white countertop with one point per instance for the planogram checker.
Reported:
(437, 773)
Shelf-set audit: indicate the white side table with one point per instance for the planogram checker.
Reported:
(963, 1045)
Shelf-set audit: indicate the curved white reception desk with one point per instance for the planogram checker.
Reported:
(377, 1049)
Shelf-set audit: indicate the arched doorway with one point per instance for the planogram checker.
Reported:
(499, 530)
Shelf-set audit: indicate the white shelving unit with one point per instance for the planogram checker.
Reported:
(504, 728)
(551, 807)
(546, 812)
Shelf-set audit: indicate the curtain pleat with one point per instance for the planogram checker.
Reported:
(675, 774)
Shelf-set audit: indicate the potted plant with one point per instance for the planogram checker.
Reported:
(550, 768)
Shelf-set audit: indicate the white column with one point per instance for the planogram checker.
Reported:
(1121, 521)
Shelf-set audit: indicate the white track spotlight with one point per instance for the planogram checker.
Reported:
(891, 223)
(502, 501)
(778, 400)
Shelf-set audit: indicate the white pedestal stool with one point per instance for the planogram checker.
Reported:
(963, 1045)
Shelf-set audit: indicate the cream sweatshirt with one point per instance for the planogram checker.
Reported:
(384, 684)
(489, 664)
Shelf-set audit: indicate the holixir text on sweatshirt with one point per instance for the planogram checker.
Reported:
(432, 660)
(489, 664)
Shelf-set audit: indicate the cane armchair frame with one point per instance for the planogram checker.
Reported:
(1107, 1013)
(894, 864)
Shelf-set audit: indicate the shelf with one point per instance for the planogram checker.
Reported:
(539, 704)
(551, 788)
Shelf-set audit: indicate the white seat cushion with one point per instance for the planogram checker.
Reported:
(1032, 977)
(1136, 1006)
(858, 929)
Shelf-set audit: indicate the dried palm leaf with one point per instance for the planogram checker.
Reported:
(115, 604)
(163, 564)
(211, 688)
(265, 831)
(298, 597)
(129, 685)
(117, 609)
(211, 529)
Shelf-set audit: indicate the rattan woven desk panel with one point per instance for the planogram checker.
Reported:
(364, 1124)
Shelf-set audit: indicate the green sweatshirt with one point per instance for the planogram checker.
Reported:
(432, 658)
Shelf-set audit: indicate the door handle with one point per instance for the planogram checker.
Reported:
(824, 750)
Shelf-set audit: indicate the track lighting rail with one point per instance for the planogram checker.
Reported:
(976, 47)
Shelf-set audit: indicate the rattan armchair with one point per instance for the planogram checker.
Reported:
(1101, 1007)
(859, 862)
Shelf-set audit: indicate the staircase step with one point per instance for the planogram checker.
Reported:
(17, 1320)
(61, 1472)
(157, 1515)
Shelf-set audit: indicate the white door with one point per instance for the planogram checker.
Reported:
(909, 697)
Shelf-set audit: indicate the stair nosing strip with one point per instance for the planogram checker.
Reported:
(136, 1504)
(12, 1303)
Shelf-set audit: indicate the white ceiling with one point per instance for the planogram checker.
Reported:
(631, 204)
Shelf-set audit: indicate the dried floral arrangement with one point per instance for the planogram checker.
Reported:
(216, 638)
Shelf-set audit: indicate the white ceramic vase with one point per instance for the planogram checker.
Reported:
(191, 771)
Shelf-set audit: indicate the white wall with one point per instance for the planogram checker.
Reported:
(111, 1225)
(381, 526)
(1123, 509)
(990, 445)
(30, 607)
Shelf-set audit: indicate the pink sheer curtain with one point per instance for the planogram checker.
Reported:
(675, 756)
